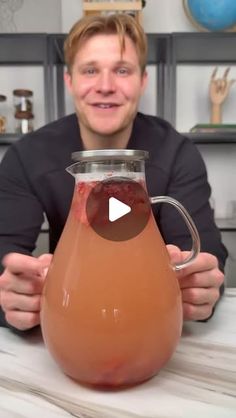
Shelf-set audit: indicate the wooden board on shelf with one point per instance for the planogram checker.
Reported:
(93, 7)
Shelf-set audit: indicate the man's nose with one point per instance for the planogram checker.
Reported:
(105, 83)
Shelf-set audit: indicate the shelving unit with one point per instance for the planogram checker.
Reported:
(201, 49)
(226, 224)
(198, 49)
(26, 49)
(8, 139)
(56, 67)
(166, 52)
(212, 138)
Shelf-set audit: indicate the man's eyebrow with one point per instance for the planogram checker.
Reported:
(88, 63)
(82, 64)
(123, 62)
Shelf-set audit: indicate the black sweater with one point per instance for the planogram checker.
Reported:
(33, 181)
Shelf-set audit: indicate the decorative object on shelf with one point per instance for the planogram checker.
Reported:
(23, 100)
(24, 122)
(23, 105)
(3, 118)
(213, 128)
(133, 7)
(7, 10)
(218, 91)
(211, 15)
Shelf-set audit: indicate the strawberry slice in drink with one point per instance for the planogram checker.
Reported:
(79, 205)
(91, 202)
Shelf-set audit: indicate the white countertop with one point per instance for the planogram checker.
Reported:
(198, 382)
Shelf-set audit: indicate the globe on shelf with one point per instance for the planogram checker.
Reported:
(211, 15)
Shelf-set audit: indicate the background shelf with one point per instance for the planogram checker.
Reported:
(8, 138)
(226, 224)
(212, 137)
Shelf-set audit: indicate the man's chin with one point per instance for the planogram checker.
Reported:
(107, 131)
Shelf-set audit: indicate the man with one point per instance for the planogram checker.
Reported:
(106, 59)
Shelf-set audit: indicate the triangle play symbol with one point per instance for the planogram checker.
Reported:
(117, 209)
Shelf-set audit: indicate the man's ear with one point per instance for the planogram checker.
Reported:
(68, 81)
(144, 81)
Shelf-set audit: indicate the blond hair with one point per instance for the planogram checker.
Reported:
(120, 24)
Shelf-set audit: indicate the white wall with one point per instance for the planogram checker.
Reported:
(30, 16)
(165, 16)
(71, 10)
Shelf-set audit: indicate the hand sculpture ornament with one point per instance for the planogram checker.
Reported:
(218, 91)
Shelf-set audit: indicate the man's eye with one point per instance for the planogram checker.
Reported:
(122, 71)
(89, 71)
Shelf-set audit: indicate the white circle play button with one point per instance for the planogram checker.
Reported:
(118, 209)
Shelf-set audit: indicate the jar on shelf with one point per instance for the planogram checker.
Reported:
(23, 100)
(3, 111)
(24, 122)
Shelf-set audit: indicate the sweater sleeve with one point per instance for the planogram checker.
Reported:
(21, 214)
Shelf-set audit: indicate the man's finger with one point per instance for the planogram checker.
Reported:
(23, 264)
(20, 284)
(208, 279)
(12, 301)
(46, 260)
(200, 296)
(174, 253)
(203, 262)
(22, 320)
(196, 313)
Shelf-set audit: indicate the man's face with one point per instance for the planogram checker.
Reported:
(106, 86)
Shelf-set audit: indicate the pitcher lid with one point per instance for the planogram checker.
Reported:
(109, 154)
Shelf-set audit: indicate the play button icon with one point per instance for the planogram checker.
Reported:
(118, 209)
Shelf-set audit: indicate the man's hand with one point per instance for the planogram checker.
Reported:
(199, 283)
(21, 286)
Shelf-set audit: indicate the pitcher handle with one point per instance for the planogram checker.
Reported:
(191, 227)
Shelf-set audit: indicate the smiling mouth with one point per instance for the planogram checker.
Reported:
(105, 105)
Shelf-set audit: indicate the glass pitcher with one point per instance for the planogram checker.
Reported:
(111, 311)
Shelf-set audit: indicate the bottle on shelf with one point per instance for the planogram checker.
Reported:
(24, 122)
(23, 106)
(23, 100)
